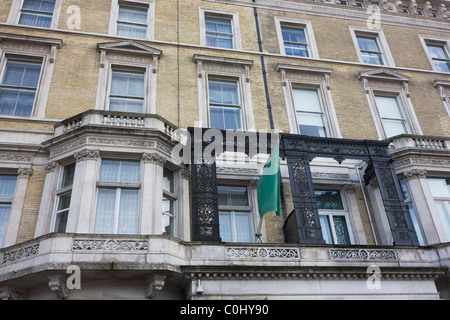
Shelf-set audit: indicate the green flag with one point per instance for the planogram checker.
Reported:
(268, 187)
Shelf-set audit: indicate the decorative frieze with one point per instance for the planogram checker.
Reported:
(109, 245)
(11, 157)
(154, 158)
(20, 253)
(87, 154)
(363, 254)
(263, 253)
(415, 173)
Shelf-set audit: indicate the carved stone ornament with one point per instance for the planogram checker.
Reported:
(7, 293)
(415, 173)
(50, 167)
(24, 173)
(58, 285)
(87, 155)
(154, 285)
(153, 158)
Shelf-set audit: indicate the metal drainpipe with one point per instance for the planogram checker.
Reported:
(269, 106)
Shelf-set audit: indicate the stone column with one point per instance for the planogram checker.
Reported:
(152, 193)
(46, 211)
(23, 174)
(82, 204)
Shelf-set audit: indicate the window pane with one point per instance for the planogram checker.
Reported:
(440, 187)
(372, 58)
(243, 227)
(311, 124)
(21, 73)
(340, 226)
(223, 92)
(219, 32)
(388, 107)
(128, 84)
(61, 221)
(444, 215)
(4, 217)
(126, 105)
(443, 66)
(64, 202)
(232, 195)
(218, 25)
(168, 218)
(7, 186)
(404, 189)
(36, 19)
(131, 31)
(129, 212)
(438, 52)
(296, 50)
(306, 100)
(394, 127)
(326, 229)
(133, 14)
(120, 171)
(16, 102)
(68, 175)
(104, 216)
(225, 118)
(368, 43)
(39, 5)
(293, 35)
(225, 226)
(329, 200)
(168, 180)
(415, 222)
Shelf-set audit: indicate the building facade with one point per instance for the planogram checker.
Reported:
(133, 134)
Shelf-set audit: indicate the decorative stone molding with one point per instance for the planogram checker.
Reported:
(109, 245)
(154, 285)
(7, 293)
(263, 253)
(24, 173)
(154, 158)
(415, 173)
(50, 167)
(20, 253)
(9, 157)
(186, 174)
(349, 187)
(58, 285)
(363, 254)
(87, 154)
(304, 74)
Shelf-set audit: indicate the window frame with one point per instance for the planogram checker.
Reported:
(16, 9)
(239, 209)
(234, 18)
(125, 69)
(171, 196)
(7, 201)
(426, 40)
(446, 203)
(118, 187)
(114, 17)
(299, 24)
(60, 192)
(397, 98)
(381, 41)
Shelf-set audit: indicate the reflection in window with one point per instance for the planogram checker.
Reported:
(440, 189)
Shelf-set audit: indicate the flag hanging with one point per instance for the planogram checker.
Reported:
(268, 187)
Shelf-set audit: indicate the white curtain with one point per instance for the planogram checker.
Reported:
(129, 212)
(104, 216)
(7, 186)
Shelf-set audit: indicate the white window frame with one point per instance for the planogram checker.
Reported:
(173, 197)
(16, 9)
(388, 60)
(61, 191)
(232, 15)
(293, 76)
(224, 68)
(33, 48)
(344, 212)
(112, 31)
(233, 209)
(446, 202)
(384, 82)
(425, 40)
(118, 186)
(300, 24)
(114, 56)
(9, 201)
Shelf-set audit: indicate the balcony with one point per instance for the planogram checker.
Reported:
(137, 258)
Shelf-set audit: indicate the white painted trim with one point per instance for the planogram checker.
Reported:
(388, 60)
(309, 33)
(233, 15)
(112, 30)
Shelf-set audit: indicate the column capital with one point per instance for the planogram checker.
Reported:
(415, 173)
(87, 154)
(50, 166)
(153, 158)
(25, 173)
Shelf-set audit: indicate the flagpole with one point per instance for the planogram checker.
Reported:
(258, 232)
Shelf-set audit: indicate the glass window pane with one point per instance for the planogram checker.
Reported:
(68, 175)
(340, 227)
(133, 14)
(232, 195)
(443, 66)
(293, 35)
(416, 226)
(43, 20)
(438, 51)
(404, 189)
(326, 229)
(104, 216)
(243, 227)
(388, 107)
(372, 58)
(440, 187)
(129, 84)
(168, 180)
(7, 186)
(225, 226)
(368, 43)
(329, 200)
(296, 50)
(219, 32)
(311, 124)
(126, 105)
(129, 212)
(61, 221)
(4, 217)
(168, 217)
(223, 92)
(394, 127)
(131, 31)
(39, 5)
(21, 73)
(64, 202)
(120, 171)
(306, 100)
(16, 102)
(444, 215)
